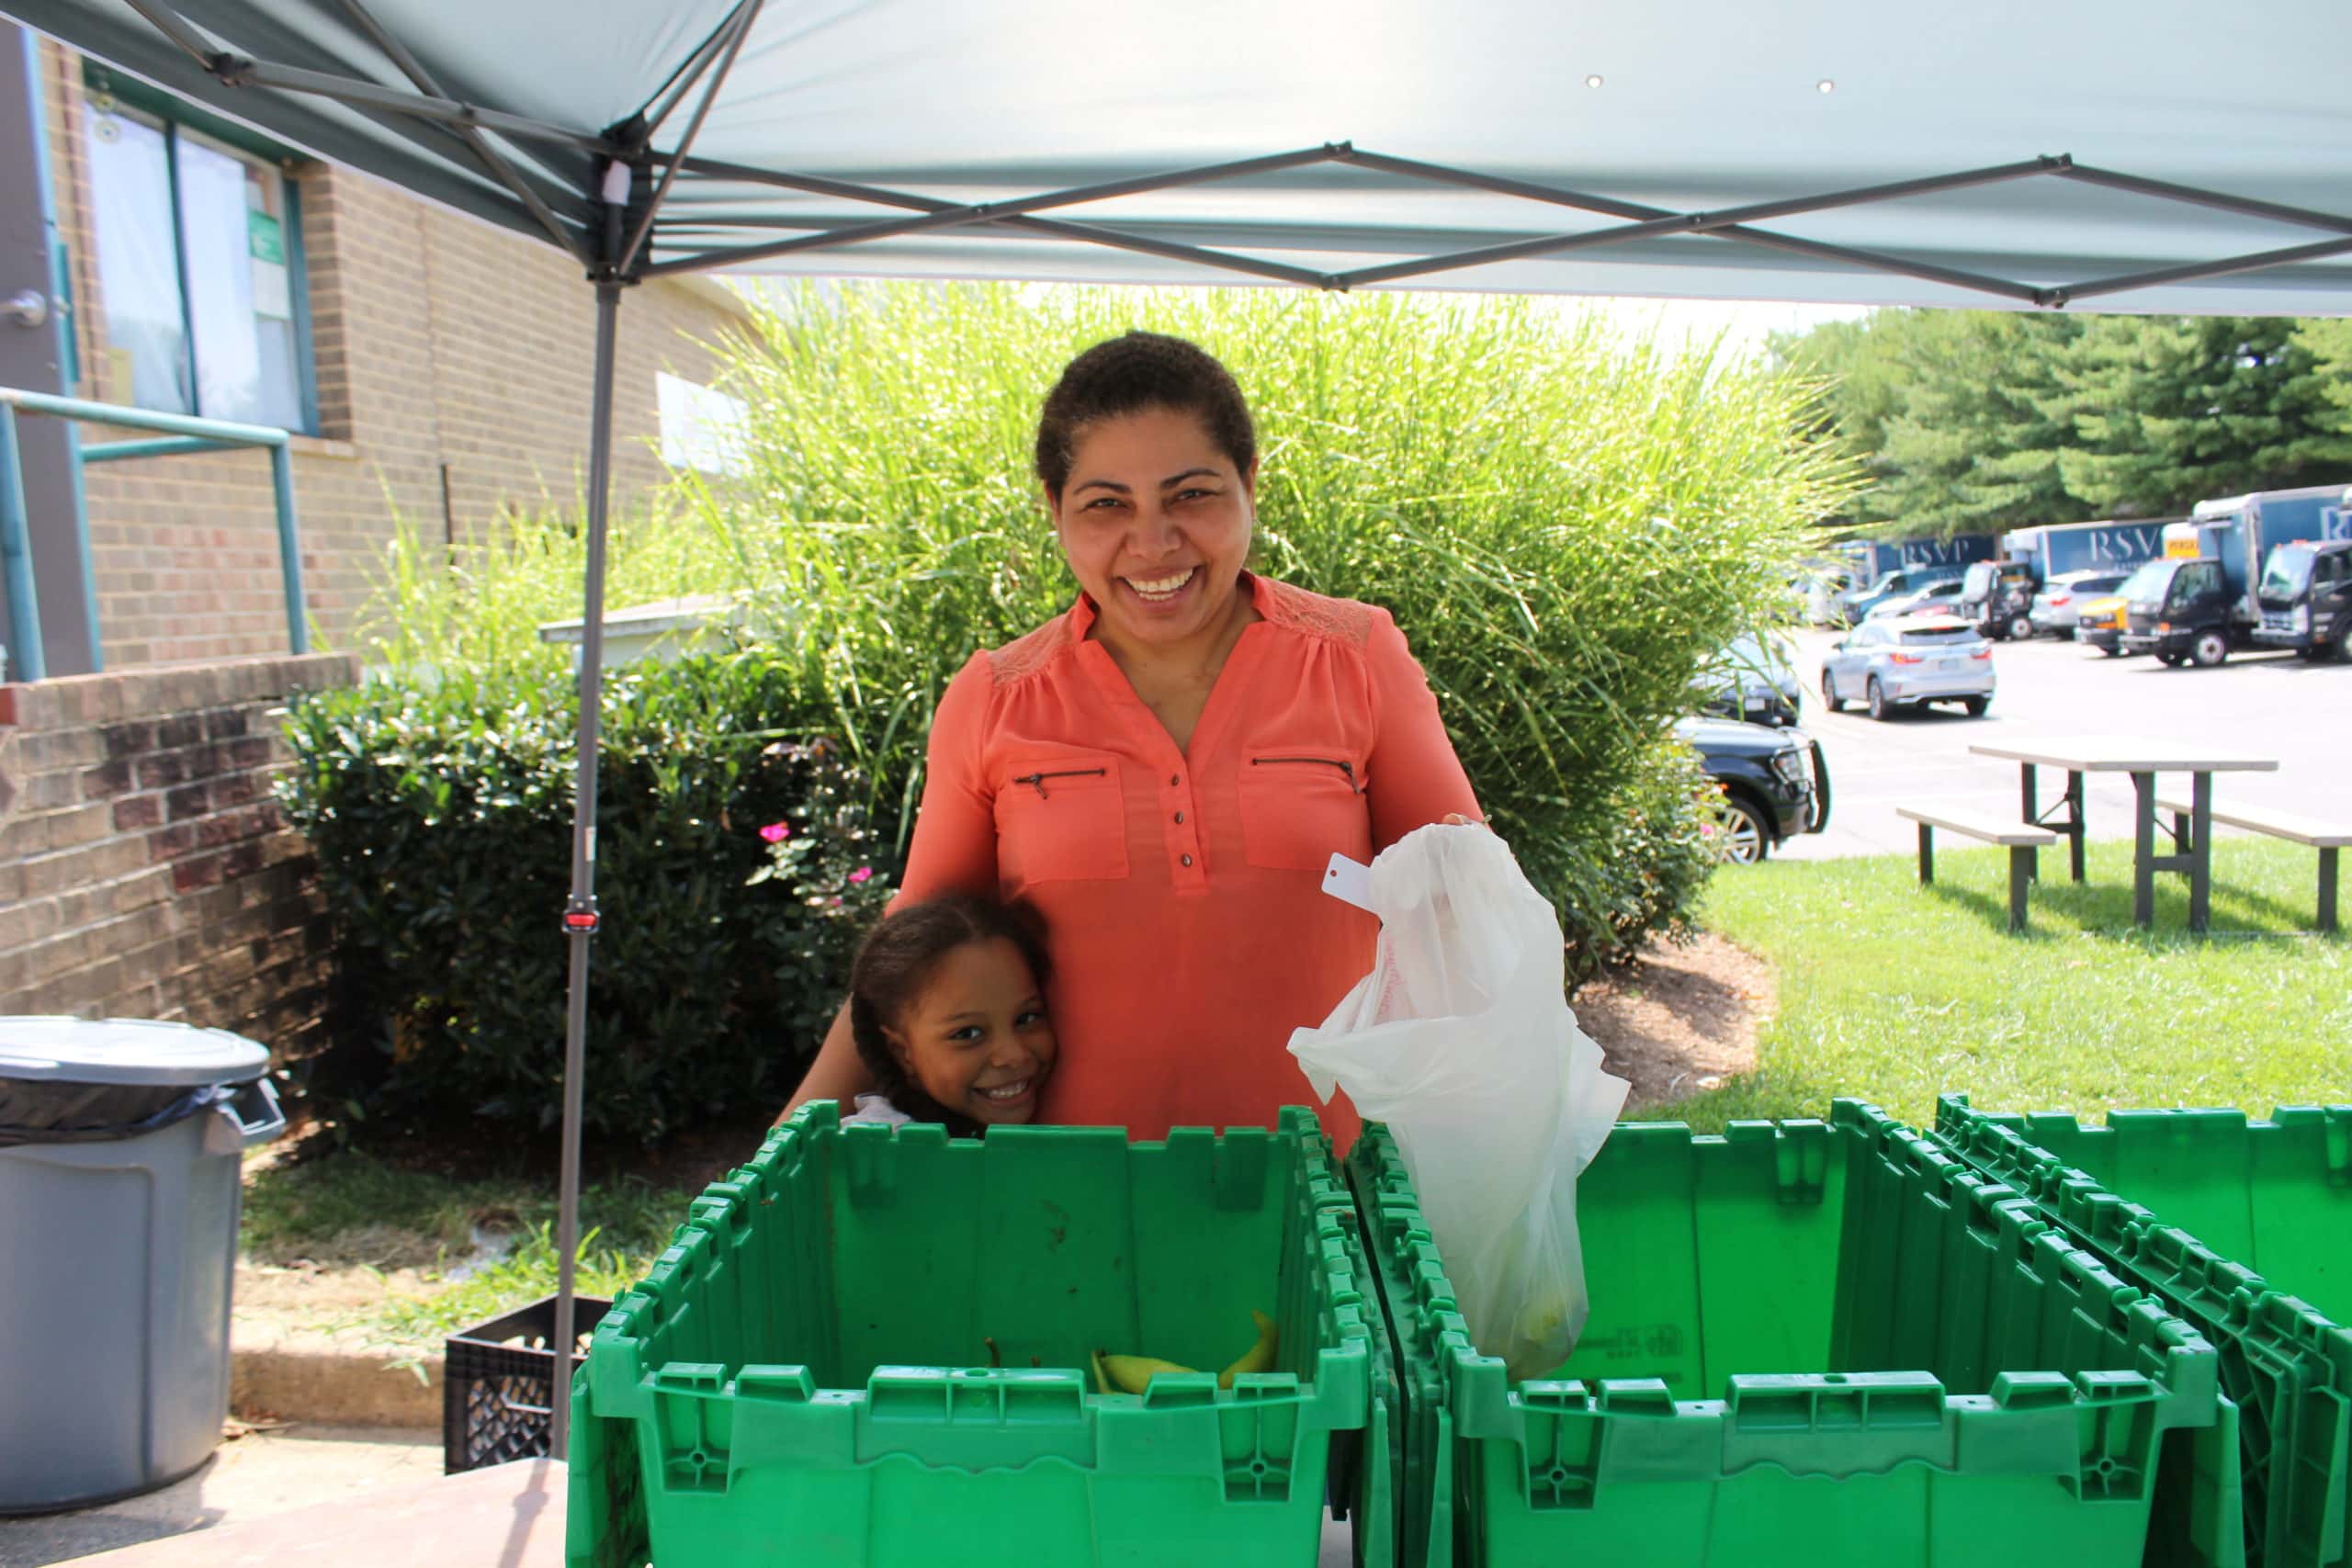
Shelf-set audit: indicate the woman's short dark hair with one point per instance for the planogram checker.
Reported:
(1134, 373)
(895, 963)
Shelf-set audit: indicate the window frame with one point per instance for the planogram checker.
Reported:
(176, 115)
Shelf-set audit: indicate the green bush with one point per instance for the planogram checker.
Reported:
(441, 822)
(1565, 523)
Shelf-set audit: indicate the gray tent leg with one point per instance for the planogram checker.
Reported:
(580, 911)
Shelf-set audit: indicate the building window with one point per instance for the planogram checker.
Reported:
(701, 429)
(198, 260)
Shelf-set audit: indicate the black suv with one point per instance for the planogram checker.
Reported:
(1775, 782)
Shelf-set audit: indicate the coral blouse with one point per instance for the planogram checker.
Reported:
(1183, 889)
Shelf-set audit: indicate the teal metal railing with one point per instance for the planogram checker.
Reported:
(180, 433)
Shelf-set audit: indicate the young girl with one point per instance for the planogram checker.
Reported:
(948, 1005)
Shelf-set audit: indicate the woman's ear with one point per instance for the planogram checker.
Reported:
(900, 1052)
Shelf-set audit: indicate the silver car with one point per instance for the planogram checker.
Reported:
(1943, 594)
(1891, 664)
(2057, 606)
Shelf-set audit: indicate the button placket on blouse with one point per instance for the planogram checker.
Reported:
(1178, 808)
(1181, 832)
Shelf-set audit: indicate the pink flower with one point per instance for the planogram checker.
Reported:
(862, 873)
(837, 903)
(777, 832)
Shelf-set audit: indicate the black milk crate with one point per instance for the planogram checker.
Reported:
(498, 1384)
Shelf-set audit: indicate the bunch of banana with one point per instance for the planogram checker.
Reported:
(1133, 1374)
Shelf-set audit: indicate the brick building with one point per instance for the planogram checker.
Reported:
(434, 367)
(434, 370)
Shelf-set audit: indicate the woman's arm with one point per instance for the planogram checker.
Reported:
(1414, 777)
(954, 851)
(836, 1073)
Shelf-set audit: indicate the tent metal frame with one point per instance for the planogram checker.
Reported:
(616, 254)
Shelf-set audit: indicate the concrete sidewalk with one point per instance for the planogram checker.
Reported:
(249, 1477)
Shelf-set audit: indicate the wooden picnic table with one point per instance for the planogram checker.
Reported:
(2144, 759)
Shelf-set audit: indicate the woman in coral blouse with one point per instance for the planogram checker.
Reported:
(1165, 770)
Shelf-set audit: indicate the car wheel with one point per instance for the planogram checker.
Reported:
(1829, 697)
(1875, 695)
(2166, 659)
(2071, 634)
(2343, 644)
(1976, 705)
(2210, 649)
(2020, 628)
(1750, 841)
(2110, 653)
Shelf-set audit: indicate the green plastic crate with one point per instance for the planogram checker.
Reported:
(1424, 1444)
(1367, 1467)
(2275, 1195)
(1816, 1343)
(2279, 1191)
(801, 1376)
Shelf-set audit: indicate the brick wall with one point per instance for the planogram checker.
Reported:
(144, 872)
(438, 341)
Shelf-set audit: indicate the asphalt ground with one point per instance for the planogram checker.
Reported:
(2273, 705)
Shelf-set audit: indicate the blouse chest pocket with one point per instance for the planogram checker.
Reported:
(1299, 808)
(1061, 819)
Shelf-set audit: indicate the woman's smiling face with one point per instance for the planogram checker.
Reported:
(1156, 523)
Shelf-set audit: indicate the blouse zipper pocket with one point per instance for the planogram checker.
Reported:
(1037, 781)
(1346, 768)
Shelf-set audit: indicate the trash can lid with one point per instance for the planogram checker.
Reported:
(126, 1050)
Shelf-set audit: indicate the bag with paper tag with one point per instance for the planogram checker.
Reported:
(1462, 1041)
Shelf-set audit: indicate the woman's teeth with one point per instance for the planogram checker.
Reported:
(1008, 1091)
(1162, 588)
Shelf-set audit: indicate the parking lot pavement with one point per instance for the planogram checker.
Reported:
(2272, 704)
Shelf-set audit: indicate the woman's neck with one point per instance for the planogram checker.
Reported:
(1195, 660)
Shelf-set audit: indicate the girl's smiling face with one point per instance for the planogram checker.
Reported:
(1156, 523)
(977, 1038)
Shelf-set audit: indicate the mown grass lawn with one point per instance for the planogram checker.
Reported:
(1896, 993)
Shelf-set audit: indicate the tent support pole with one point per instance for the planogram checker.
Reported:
(580, 911)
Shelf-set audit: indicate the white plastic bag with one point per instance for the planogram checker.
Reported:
(1461, 1039)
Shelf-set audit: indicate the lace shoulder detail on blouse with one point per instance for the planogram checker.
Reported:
(1340, 620)
(1026, 655)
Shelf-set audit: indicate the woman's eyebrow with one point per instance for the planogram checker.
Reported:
(1122, 489)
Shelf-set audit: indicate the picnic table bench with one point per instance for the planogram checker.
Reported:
(2328, 838)
(2024, 840)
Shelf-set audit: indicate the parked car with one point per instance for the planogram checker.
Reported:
(1997, 597)
(1775, 782)
(2305, 599)
(1939, 596)
(1857, 603)
(2184, 612)
(1754, 678)
(1893, 664)
(2057, 608)
(2102, 622)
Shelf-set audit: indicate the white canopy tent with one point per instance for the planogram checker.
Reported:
(2139, 154)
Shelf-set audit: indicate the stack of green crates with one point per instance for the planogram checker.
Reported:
(805, 1377)
(1810, 1343)
(2244, 1228)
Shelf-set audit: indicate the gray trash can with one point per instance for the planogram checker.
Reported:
(120, 1192)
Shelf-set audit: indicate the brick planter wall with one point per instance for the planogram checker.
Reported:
(144, 872)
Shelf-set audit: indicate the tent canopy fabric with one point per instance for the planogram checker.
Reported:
(1427, 146)
(2096, 152)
